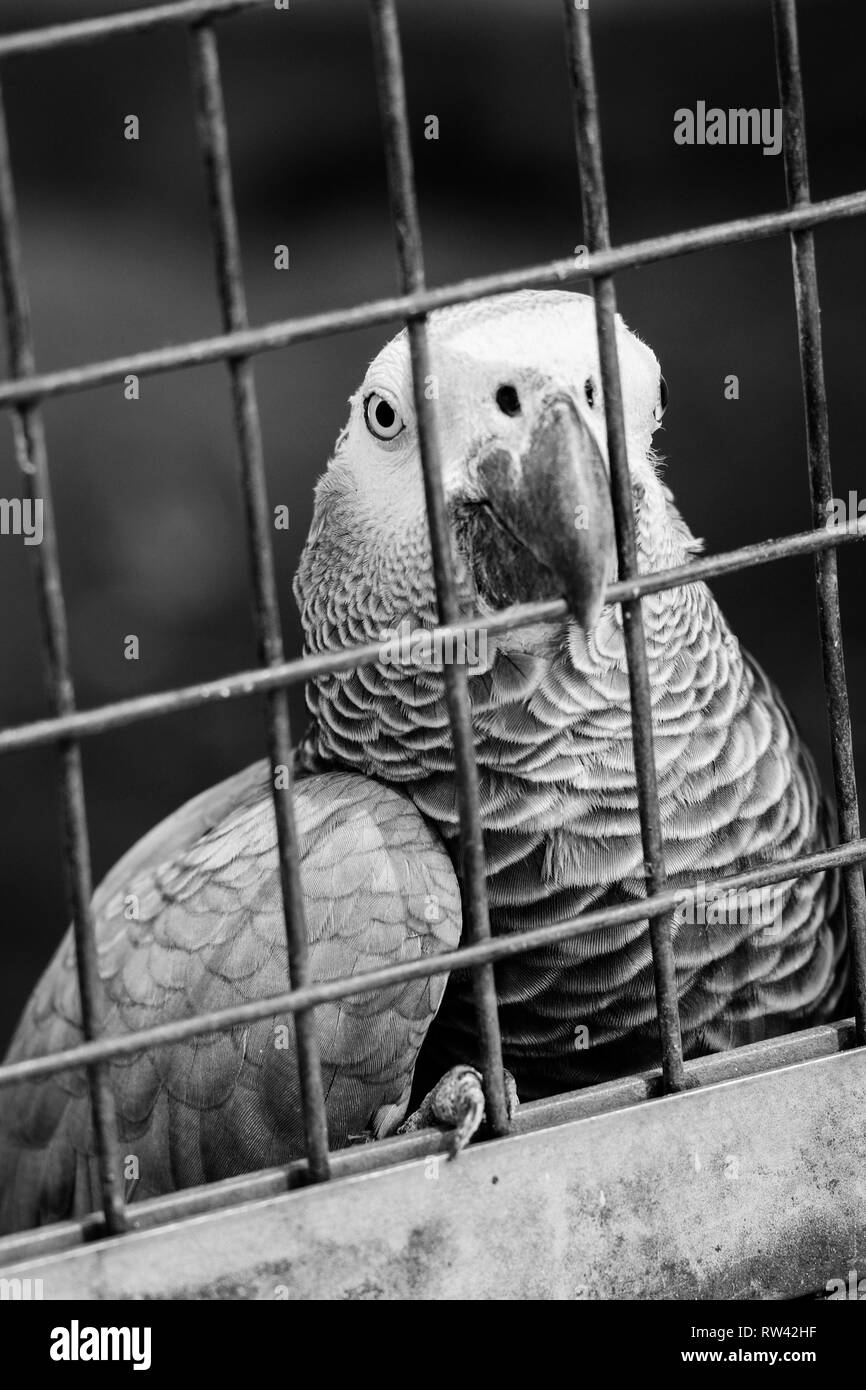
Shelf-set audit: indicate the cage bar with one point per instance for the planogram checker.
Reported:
(213, 137)
(283, 333)
(32, 458)
(587, 128)
(821, 488)
(404, 216)
(464, 957)
(53, 36)
(827, 1041)
(822, 1045)
(236, 345)
(238, 685)
(521, 1220)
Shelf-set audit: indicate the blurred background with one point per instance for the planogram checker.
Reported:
(118, 258)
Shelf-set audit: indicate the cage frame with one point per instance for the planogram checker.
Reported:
(26, 389)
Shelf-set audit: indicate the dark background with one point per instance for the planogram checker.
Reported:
(118, 258)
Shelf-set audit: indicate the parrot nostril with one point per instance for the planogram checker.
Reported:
(508, 400)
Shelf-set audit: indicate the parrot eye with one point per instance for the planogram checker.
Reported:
(381, 418)
(589, 392)
(663, 400)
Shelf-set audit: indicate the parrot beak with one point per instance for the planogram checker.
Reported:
(553, 501)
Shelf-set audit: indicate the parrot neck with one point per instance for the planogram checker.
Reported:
(663, 539)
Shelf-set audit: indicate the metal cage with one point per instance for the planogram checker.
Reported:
(576, 1161)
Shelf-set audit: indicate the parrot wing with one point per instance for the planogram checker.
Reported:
(192, 920)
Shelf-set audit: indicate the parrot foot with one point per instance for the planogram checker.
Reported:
(456, 1102)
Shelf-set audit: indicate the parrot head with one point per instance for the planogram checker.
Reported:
(523, 444)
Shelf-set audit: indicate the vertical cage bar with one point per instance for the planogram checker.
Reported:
(587, 129)
(821, 487)
(404, 213)
(213, 137)
(32, 458)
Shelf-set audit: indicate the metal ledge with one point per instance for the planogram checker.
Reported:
(751, 1187)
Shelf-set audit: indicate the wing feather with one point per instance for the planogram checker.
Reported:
(191, 920)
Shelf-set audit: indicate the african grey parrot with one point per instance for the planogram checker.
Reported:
(526, 480)
(523, 441)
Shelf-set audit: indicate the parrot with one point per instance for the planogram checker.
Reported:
(526, 476)
(191, 918)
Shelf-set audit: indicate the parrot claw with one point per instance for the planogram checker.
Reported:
(456, 1102)
(512, 1099)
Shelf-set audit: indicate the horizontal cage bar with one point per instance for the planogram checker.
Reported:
(753, 1059)
(273, 336)
(87, 723)
(498, 948)
(84, 31)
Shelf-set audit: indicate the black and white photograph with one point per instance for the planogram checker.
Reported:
(433, 683)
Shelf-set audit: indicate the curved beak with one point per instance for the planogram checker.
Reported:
(553, 501)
